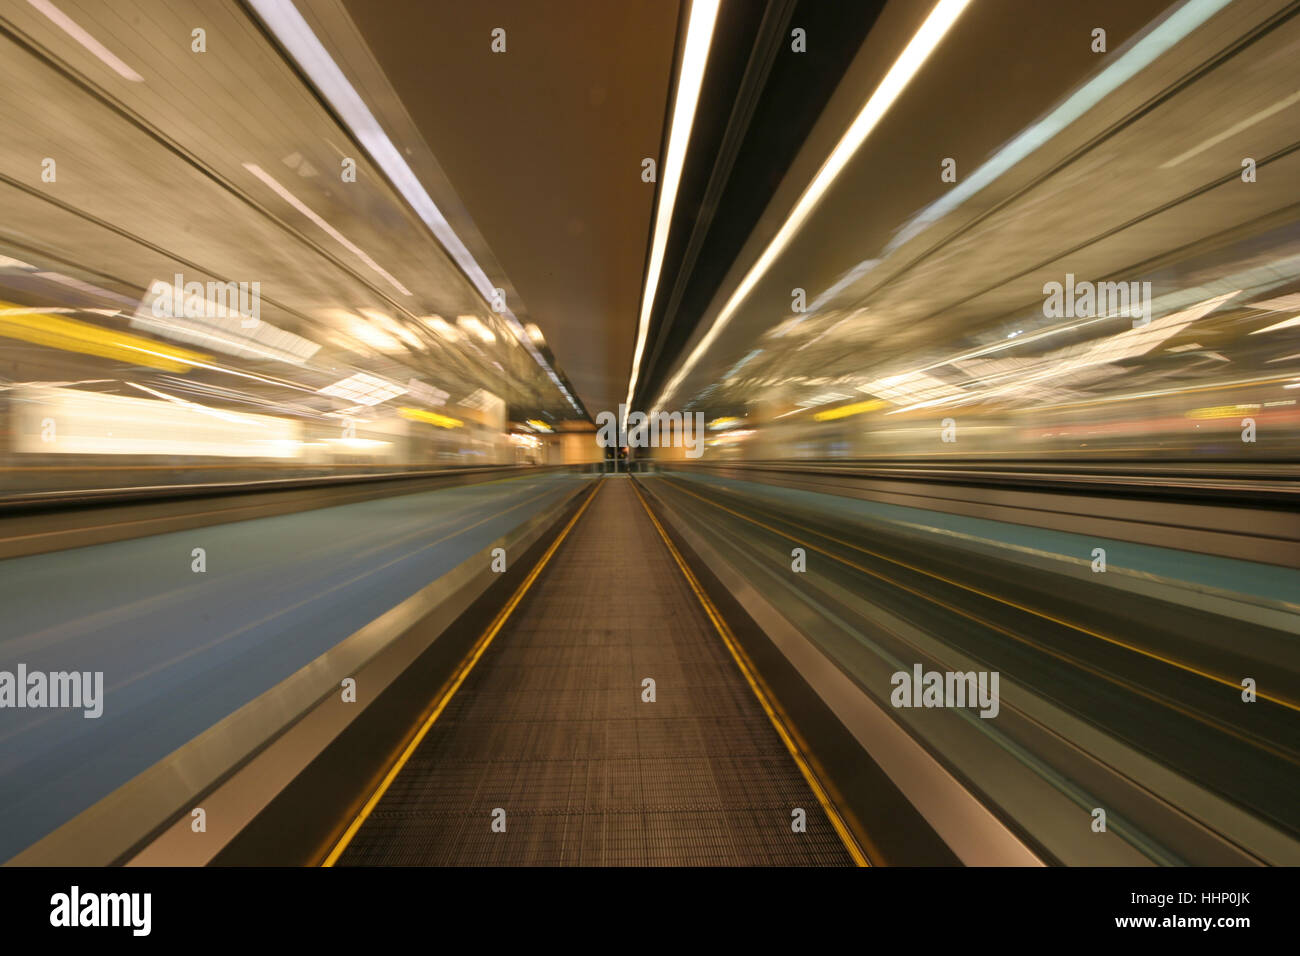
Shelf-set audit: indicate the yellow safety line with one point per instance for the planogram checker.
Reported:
(1152, 655)
(742, 661)
(476, 652)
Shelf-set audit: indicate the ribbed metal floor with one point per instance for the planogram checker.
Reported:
(550, 727)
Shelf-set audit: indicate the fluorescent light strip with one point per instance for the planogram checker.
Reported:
(916, 52)
(1284, 324)
(74, 30)
(282, 18)
(699, 34)
(364, 389)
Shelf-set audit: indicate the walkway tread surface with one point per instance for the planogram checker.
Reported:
(550, 727)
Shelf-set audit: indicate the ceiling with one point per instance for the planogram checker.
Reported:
(543, 144)
(1144, 184)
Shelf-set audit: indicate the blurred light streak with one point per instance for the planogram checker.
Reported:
(1284, 324)
(917, 51)
(228, 371)
(844, 411)
(474, 326)
(731, 437)
(431, 418)
(695, 57)
(72, 335)
(357, 444)
(250, 420)
(443, 328)
(95, 423)
(74, 30)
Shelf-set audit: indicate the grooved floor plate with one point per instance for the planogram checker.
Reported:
(550, 727)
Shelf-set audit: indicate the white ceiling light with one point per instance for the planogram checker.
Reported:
(363, 389)
(370, 334)
(393, 326)
(695, 56)
(444, 328)
(1284, 324)
(474, 326)
(916, 52)
(74, 30)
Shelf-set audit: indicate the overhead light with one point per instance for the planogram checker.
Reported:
(844, 411)
(1284, 324)
(395, 327)
(824, 398)
(371, 334)
(431, 418)
(474, 326)
(444, 328)
(357, 444)
(74, 30)
(695, 56)
(363, 389)
(284, 21)
(1282, 303)
(539, 425)
(909, 387)
(917, 51)
(726, 438)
